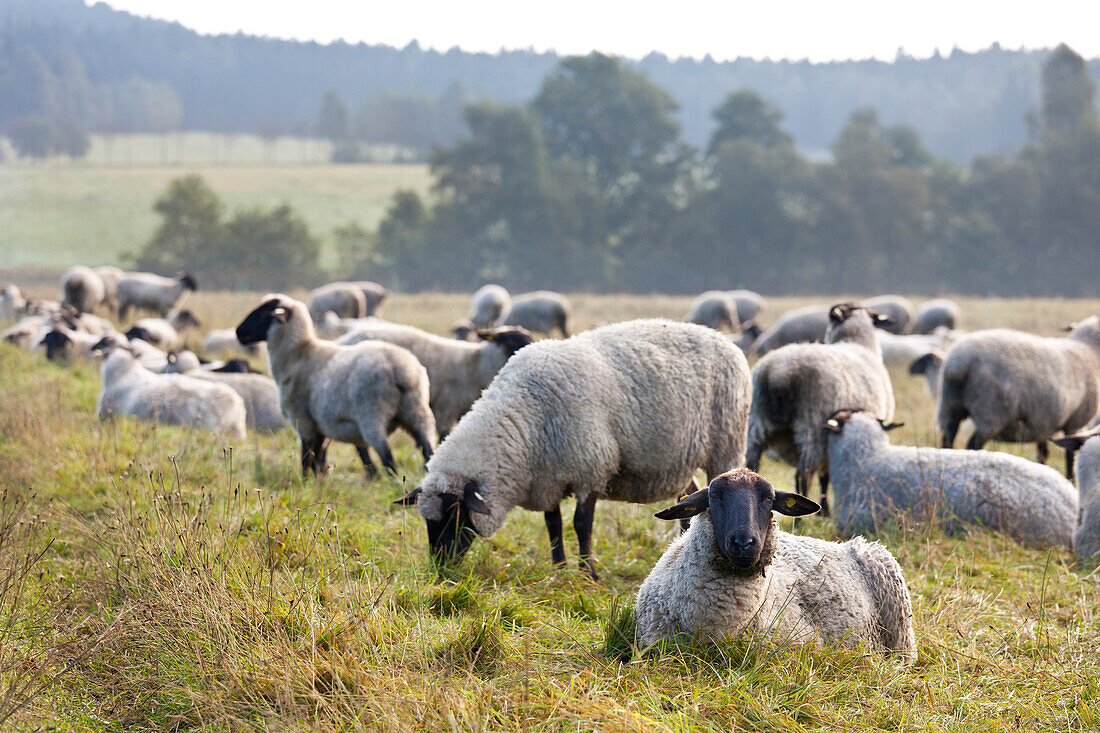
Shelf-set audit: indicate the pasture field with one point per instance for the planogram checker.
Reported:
(160, 579)
(54, 216)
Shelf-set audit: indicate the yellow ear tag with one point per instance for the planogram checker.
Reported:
(790, 502)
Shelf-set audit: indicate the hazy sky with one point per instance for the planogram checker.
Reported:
(820, 30)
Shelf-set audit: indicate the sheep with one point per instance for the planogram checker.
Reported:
(64, 344)
(457, 371)
(932, 314)
(1020, 388)
(259, 393)
(900, 351)
(750, 332)
(373, 293)
(897, 308)
(713, 309)
(1086, 536)
(150, 356)
(795, 388)
(26, 332)
(110, 276)
(491, 303)
(83, 289)
(802, 325)
(464, 330)
(736, 573)
(164, 333)
(930, 366)
(626, 412)
(353, 394)
(12, 303)
(747, 305)
(346, 300)
(131, 389)
(332, 326)
(152, 292)
(223, 341)
(540, 311)
(875, 482)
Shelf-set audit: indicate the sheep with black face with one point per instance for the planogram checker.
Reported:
(152, 292)
(735, 573)
(354, 394)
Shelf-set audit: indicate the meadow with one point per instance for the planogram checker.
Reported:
(155, 578)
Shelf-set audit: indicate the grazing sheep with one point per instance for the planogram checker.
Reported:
(354, 394)
(900, 351)
(131, 389)
(898, 309)
(930, 366)
(110, 276)
(802, 325)
(464, 330)
(797, 387)
(626, 412)
(747, 305)
(875, 482)
(933, 314)
(346, 300)
(152, 292)
(540, 312)
(12, 303)
(1020, 388)
(259, 393)
(164, 333)
(735, 573)
(713, 309)
(83, 289)
(750, 332)
(1086, 537)
(458, 371)
(491, 303)
(373, 293)
(223, 341)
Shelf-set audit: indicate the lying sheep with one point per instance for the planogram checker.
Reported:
(165, 333)
(1020, 388)
(797, 387)
(131, 389)
(353, 394)
(12, 303)
(933, 314)
(735, 573)
(150, 356)
(541, 311)
(110, 276)
(491, 303)
(626, 412)
(346, 300)
(152, 292)
(458, 371)
(64, 344)
(875, 483)
(259, 393)
(26, 332)
(1086, 536)
(897, 308)
(802, 325)
(83, 289)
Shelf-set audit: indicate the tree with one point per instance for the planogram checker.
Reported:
(266, 250)
(745, 115)
(33, 136)
(190, 231)
(332, 120)
(1068, 92)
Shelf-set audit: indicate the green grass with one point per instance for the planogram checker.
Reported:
(191, 587)
(54, 216)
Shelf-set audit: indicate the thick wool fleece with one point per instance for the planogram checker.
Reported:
(876, 483)
(82, 288)
(811, 591)
(259, 392)
(628, 412)
(1086, 538)
(541, 311)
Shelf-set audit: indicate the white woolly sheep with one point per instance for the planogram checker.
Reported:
(713, 309)
(110, 276)
(164, 333)
(735, 573)
(346, 300)
(875, 483)
(1086, 536)
(933, 314)
(354, 394)
(458, 371)
(374, 295)
(626, 412)
(150, 356)
(491, 304)
(802, 325)
(259, 393)
(540, 311)
(12, 303)
(1021, 388)
(897, 308)
(131, 389)
(152, 292)
(797, 387)
(82, 288)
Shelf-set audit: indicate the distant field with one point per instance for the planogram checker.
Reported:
(55, 215)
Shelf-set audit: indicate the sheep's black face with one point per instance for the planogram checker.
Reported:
(510, 339)
(450, 537)
(188, 281)
(137, 332)
(256, 324)
(187, 319)
(57, 345)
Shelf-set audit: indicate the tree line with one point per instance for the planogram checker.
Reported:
(590, 186)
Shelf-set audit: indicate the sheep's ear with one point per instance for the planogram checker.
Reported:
(1071, 442)
(172, 357)
(1069, 327)
(837, 313)
(279, 313)
(486, 334)
(410, 498)
(834, 425)
(688, 506)
(793, 505)
(472, 498)
(880, 320)
(888, 426)
(922, 364)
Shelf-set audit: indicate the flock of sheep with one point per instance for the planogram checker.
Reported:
(632, 412)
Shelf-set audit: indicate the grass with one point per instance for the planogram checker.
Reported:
(185, 584)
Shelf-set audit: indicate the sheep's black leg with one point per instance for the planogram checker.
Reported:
(424, 445)
(582, 523)
(800, 483)
(975, 443)
(1069, 463)
(368, 463)
(313, 455)
(823, 479)
(1044, 451)
(386, 455)
(951, 430)
(557, 544)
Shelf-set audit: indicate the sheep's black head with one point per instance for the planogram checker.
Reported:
(841, 312)
(922, 365)
(256, 324)
(187, 280)
(57, 345)
(741, 503)
(752, 330)
(450, 536)
(840, 418)
(235, 366)
(186, 319)
(137, 332)
(464, 330)
(510, 339)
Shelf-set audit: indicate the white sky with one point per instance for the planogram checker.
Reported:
(819, 30)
